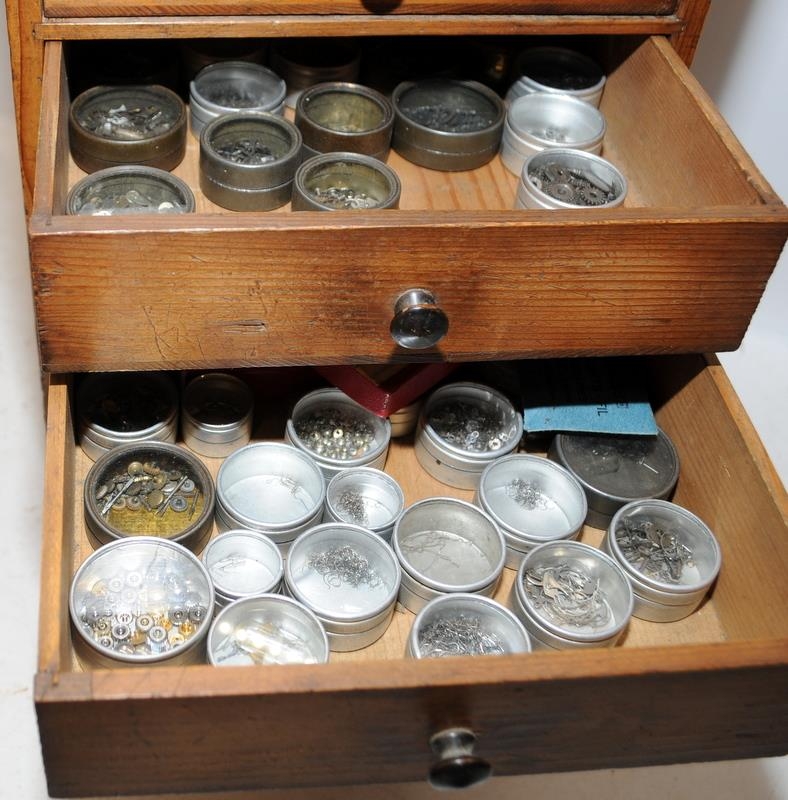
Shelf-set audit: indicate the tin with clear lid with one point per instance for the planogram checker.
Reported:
(140, 602)
(349, 577)
(267, 629)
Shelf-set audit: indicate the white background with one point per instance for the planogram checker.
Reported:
(743, 62)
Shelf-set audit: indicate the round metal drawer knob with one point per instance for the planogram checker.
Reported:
(418, 322)
(456, 766)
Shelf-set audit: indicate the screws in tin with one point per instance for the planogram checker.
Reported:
(446, 118)
(578, 187)
(651, 549)
(342, 565)
(334, 433)
(124, 123)
(469, 426)
(460, 635)
(230, 95)
(246, 151)
(343, 197)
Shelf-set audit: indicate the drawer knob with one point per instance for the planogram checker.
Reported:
(456, 766)
(418, 322)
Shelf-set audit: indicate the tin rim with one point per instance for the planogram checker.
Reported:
(565, 54)
(217, 432)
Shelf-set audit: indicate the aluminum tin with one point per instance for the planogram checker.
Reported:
(529, 195)
(216, 414)
(234, 86)
(351, 171)
(171, 576)
(125, 408)
(358, 602)
(454, 465)
(537, 122)
(600, 567)
(378, 500)
(403, 422)
(661, 601)
(266, 629)
(243, 563)
(345, 117)
(493, 619)
(557, 70)
(249, 187)
(446, 545)
(305, 62)
(163, 149)
(271, 488)
(129, 190)
(335, 401)
(190, 528)
(615, 470)
(443, 146)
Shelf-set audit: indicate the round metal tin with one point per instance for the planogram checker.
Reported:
(403, 421)
(267, 629)
(140, 602)
(196, 54)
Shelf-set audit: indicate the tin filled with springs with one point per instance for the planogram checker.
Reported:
(141, 125)
(150, 489)
(570, 595)
(462, 428)
(266, 629)
(349, 577)
(140, 602)
(446, 546)
(337, 432)
(466, 625)
(670, 556)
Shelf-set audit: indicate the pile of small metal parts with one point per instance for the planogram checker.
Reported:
(652, 550)
(138, 613)
(468, 426)
(353, 507)
(528, 495)
(448, 118)
(335, 433)
(458, 635)
(245, 151)
(127, 124)
(106, 202)
(568, 596)
(230, 95)
(557, 77)
(557, 135)
(343, 566)
(572, 186)
(343, 197)
(257, 642)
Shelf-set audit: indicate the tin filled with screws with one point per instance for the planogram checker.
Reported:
(149, 489)
(466, 625)
(337, 432)
(670, 556)
(271, 488)
(216, 414)
(114, 125)
(446, 546)
(116, 191)
(446, 124)
(462, 428)
(364, 496)
(349, 577)
(571, 595)
(533, 500)
(140, 602)
(615, 470)
(264, 630)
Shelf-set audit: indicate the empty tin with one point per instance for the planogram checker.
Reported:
(446, 124)
(536, 122)
(243, 563)
(364, 496)
(216, 414)
(149, 489)
(466, 625)
(113, 125)
(247, 161)
(557, 70)
(337, 432)
(462, 428)
(267, 629)
(344, 117)
(446, 546)
(571, 595)
(229, 87)
(533, 500)
(345, 182)
(115, 408)
(349, 577)
(140, 602)
(670, 556)
(271, 488)
(615, 470)
(129, 190)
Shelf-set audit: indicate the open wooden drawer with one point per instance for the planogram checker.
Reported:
(679, 269)
(709, 687)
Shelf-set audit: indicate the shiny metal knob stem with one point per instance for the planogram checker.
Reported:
(456, 767)
(418, 321)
